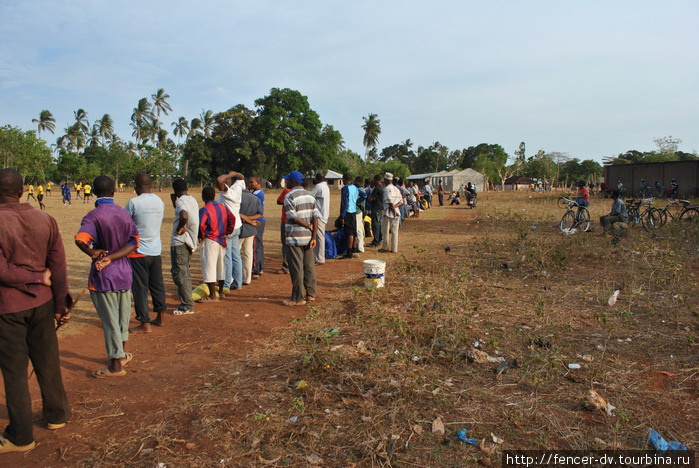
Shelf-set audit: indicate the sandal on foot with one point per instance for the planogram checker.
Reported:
(182, 312)
(105, 372)
(127, 359)
(289, 302)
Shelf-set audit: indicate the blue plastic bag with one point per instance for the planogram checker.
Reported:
(462, 437)
(662, 445)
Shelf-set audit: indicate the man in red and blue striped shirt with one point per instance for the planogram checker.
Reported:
(215, 222)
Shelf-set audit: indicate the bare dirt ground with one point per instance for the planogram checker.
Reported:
(359, 378)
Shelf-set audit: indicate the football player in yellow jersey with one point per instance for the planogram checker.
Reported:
(30, 192)
(40, 197)
(48, 189)
(78, 189)
(87, 193)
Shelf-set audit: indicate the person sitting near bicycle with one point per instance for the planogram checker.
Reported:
(619, 214)
(583, 194)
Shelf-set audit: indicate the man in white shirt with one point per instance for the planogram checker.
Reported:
(147, 211)
(231, 188)
(321, 192)
(183, 243)
(390, 221)
(427, 190)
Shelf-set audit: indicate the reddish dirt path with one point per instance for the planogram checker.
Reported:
(165, 362)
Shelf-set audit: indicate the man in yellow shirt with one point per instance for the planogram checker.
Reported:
(87, 193)
(40, 197)
(48, 189)
(78, 188)
(30, 192)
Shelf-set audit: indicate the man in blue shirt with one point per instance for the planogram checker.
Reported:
(147, 211)
(259, 247)
(348, 214)
(619, 214)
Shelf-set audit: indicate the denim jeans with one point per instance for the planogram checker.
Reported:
(233, 263)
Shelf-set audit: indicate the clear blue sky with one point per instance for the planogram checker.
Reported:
(591, 78)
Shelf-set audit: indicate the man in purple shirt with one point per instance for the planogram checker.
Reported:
(33, 294)
(107, 235)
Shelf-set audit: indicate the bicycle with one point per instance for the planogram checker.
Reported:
(571, 219)
(648, 218)
(688, 214)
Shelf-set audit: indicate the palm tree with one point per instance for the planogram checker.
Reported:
(160, 104)
(372, 129)
(181, 129)
(161, 138)
(195, 127)
(106, 128)
(74, 138)
(45, 122)
(81, 121)
(142, 113)
(93, 138)
(207, 121)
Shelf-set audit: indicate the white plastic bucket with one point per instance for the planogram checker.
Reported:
(374, 273)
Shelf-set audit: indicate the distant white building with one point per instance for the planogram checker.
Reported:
(455, 180)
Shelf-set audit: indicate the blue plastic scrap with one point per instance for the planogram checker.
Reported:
(462, 437)
(662, 445)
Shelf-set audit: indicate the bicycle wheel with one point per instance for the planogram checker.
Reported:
(662, 216)
(651, 219)
(567, 221)
(690, 215)
(583, 219)
(634, 216)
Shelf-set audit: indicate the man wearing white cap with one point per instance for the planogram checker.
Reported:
(390, 221)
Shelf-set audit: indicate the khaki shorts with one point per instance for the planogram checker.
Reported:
(212, 261)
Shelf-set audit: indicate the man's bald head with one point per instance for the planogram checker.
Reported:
(11, 183)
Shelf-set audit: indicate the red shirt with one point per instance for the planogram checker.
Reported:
(584, 192)
(29, 243)
(216, 222)
(280, 201)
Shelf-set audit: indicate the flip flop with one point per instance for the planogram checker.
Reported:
(127, 359)
(105, 372)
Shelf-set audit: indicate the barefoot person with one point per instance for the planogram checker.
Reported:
(108, 235)
(183, 243)
(33, 297)
(216, 222)
(301, 231)
(147, 212)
